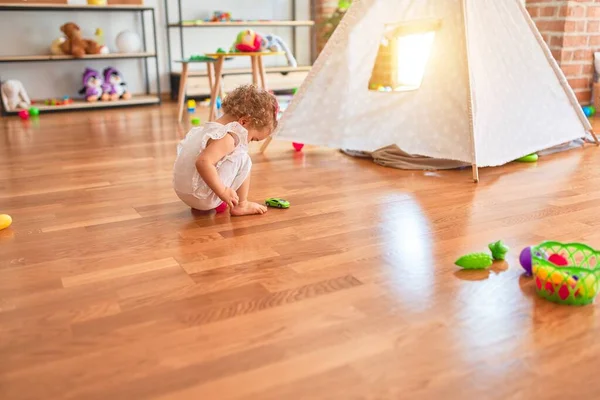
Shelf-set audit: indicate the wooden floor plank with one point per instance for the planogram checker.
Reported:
(111, 288)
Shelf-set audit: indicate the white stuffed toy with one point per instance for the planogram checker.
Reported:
(275, 43)
(14, 95)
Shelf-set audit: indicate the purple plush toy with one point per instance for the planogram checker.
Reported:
(92, 85)
(114, 85)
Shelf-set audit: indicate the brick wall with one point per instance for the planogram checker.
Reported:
(572, 30)
(324, 8)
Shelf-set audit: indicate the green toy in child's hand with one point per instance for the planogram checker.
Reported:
(475, 261)
(499, 250)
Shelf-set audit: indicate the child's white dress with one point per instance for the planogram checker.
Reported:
(233, 169)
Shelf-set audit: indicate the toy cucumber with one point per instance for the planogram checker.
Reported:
(475, 261)
(498, 250)
(530, 158)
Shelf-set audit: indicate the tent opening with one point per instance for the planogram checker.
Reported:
(403, 54)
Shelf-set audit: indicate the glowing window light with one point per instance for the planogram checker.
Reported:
(403, 55)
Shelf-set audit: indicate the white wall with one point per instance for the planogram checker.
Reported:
(28, 33)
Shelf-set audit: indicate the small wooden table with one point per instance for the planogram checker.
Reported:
(209, 61)
(258, 73)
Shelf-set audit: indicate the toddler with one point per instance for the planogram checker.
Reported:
(213, 165)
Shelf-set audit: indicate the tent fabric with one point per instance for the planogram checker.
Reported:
(489, 93)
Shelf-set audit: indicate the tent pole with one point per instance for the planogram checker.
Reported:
(475, 173)
(595, 137)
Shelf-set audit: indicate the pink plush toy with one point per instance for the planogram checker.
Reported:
(248, 41)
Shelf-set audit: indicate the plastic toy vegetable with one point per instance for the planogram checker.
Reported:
(499, 250)
(475, 261)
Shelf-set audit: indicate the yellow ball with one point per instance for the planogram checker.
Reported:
(5, 221)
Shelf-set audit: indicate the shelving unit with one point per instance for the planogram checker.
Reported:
(146, 55)
(180, 25)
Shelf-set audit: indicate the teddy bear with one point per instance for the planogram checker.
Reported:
(75, 45)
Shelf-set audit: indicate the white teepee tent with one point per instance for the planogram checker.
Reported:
(490, 91)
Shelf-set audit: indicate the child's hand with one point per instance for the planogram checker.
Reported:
(230, 197)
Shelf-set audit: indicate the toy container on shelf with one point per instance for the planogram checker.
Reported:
(574, 284)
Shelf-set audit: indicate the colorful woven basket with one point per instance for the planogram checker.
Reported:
(574, 284)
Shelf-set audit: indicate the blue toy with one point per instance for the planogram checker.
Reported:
(589, 111)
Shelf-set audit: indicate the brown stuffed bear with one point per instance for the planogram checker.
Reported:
(75, 45)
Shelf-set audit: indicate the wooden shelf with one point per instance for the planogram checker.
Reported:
(112, 56)
(84, 105)
(70, 7)
(192, 24)
(241, 71)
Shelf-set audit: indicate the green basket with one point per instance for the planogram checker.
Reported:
(574, 284)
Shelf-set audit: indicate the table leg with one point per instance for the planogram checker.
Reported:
(182, 84)
(261, 71)
(210, 72)
(215, 89)
(254, 61)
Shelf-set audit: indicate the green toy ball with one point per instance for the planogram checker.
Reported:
(34, 111)
(475, 261)
(195, 121)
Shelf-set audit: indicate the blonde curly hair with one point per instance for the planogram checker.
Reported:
(254, 103)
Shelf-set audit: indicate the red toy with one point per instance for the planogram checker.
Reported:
(298, 146)
(559, 260)
(248, 41)
(221, 208)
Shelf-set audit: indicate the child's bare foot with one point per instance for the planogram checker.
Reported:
(248, 208)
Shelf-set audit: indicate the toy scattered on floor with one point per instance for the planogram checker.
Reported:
(219, 102)
(114, 85)
(295, 90)
(525, 260)
(128, 42)
(195, 121)
(499, 250)
(528, 158)
(576, 282)
(14, 95)
(475, 261)
(297, 146)
(75, 44)
(482, 260)
(277, 203)
(220, 16)
(24, 115)
(92, 86)
(589, 111)
(5, 221)
(191, 106)
(34, 111)
(221, 208)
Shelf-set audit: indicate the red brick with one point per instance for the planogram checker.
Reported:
(575, 41)
(579, 83)
(576, 11)
(584, 97)
(593, 26)
(583, 55)
(593, 11)
(574, 26)
(594, 41)
(550, 26)
(572, 70)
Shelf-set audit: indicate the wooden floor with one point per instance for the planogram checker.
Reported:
(111, 288)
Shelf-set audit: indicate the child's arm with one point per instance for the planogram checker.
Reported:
(206, 166)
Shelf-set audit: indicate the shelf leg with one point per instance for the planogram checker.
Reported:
(254, 62)
(261, 71)
(182, 84)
